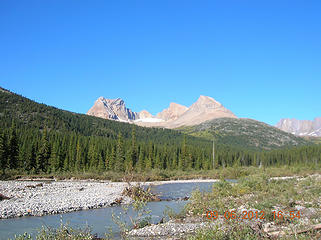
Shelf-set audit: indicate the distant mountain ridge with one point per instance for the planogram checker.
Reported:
(301, 127)
(243, 132)
(176, 115)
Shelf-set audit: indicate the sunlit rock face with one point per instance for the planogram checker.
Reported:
(301, 127)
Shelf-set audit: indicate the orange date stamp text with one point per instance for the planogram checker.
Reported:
(253, 215)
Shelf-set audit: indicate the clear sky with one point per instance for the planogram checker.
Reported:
(260, 59)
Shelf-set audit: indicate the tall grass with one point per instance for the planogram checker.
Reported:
(158, 175)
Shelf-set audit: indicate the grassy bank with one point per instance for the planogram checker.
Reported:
(162, 175)
(282, 209)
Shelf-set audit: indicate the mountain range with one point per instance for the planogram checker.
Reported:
(235, 132)
(176, 115)
(301, 127)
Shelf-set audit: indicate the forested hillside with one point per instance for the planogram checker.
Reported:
(36, 138)
(40, 116)
(245, 133)
(51, 139)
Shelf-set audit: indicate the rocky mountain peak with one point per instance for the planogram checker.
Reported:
(145, 114)
(204, 109)
(172, 112)
(301, 127)
(114, 109)
(207, 102)
(118, 101)
(174, 105)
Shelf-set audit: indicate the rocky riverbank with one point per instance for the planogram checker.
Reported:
(47, 196)
(256, 206)
(38, 198)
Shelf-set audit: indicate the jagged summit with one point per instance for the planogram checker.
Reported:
(114, 109)
(145, 114)
(204, 109)
(207, 100)
(173, 112)
(204, 102)
(176, 115)
(301, 127)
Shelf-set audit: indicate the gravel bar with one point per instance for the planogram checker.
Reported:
(38, 198)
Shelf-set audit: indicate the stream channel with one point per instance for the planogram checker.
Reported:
(100, 220)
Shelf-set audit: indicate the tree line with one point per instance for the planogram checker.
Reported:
(34, 151)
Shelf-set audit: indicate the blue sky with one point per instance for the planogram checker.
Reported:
(260, 59)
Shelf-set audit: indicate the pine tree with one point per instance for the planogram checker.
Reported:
(66, 164)
(13, 148)
(141, 162)
(63, 154)
(128, 161)
(150, 161)
(120, 159)
(189, 161)
(112, 159)
(133, 149)
(165, 161)
(3, 153)
(93, 156)
(198, 163)
(182, 157)
(32, 165)
(79, 163)
(54, 157)
(107, 160)
(72, 151)
(101, 164)
(174, 161)
(23, 155)
(43, 153)
(158, 163)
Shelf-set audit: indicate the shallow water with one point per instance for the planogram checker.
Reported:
(100, 220)
(179, 190)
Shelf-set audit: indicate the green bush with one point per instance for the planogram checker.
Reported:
(64, 232)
